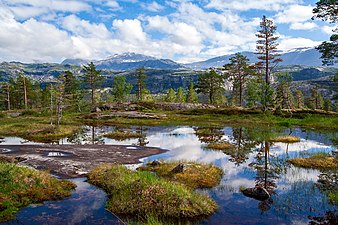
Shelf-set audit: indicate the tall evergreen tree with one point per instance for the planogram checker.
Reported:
(299, 99)
(121, 89)
(171, 95)
(192, 95)
(284, 98)
(237, 70)
(253, 92)
(180, 95)
(327, 10)
(92, 78)
(211, 84)
(141, 86)
(266, 47)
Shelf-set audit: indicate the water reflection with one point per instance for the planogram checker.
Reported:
(296, 193)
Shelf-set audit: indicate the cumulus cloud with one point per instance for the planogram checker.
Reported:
(295, 14)
(303, 26)
(24, 9)
(288, 43)
(37, 40)
(79, 27)
(153, 6)
(245, 5)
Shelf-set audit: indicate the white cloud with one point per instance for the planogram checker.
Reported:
(245, 5)
(295, 14)
(130, 31)
(328, 29)
(84, 28)
(25, 9)
(37, 40)
(291, 43)
(113, 5)
(153, 6)
(303, 26)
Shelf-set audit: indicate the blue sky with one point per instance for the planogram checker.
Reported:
(185, 31)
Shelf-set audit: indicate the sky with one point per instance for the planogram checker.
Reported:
(184, 31)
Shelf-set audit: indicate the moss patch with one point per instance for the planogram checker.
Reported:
(122, 135)
(141, 194)
(21, 186)
(317, 161)
(285, 139)
(194, 175)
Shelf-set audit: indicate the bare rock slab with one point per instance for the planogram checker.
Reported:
(70, 161)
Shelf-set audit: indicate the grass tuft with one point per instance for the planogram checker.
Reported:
(195, 175)
(144, 195)
(316, 161)
(122, 135)
(21, 186)
(220, 146)
(285, 139)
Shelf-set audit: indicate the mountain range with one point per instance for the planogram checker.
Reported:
(130, 61)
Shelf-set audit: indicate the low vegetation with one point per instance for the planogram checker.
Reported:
(122, 135)
(191, 174)
(317, 161)
(285, 139)
(21, 186)
(143, 195)
(220, 146)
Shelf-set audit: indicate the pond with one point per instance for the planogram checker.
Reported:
(297, 197)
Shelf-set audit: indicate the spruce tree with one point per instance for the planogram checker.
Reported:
(299, 99)
(171, 95)
(141, 86)
(180, 95)
(93, 79)
(121, 89)
(192, 95)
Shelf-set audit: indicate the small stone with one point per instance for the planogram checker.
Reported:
(178, 169)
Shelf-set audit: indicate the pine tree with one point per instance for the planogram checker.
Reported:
(284, 96)
(327, 10)
(121, 89)
(253, 93)
(141, 86)
(211, 84)
(237, 70)
(180, 95)
(93, 79)
(327, 105)
(192, 95)
(171, 95)
(266, 49)
(299, 99)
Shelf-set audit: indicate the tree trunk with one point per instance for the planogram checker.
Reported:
(25, 92)
(8, 98)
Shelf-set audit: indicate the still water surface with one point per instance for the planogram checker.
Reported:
(296, 196)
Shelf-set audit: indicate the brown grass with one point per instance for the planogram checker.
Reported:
(220, 146)
(317, 161)
(122, 135)
(285, 139)
(195, 175)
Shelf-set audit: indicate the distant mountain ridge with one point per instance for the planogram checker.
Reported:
(128, 61)
(298, 56)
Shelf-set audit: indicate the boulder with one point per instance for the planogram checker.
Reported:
(155, 163)
(258, 193)
(178, 169)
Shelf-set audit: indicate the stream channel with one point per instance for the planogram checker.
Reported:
(297, 196)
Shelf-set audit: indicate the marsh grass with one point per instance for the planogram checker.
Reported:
(123, 135)
(220, 146)
(195, 175)
(143, 195)
(37, 129)
(285, 139)
(21, 186)
(317, 161)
